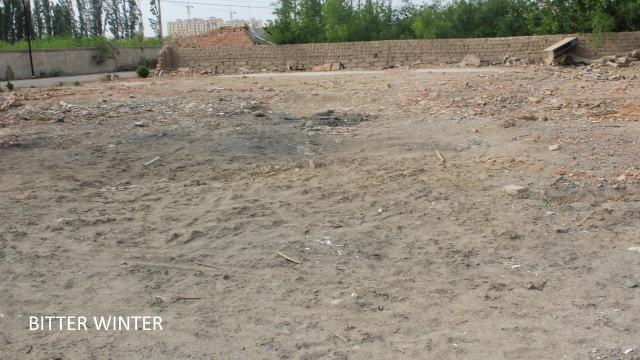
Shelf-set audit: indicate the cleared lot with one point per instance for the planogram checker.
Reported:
(171, 196)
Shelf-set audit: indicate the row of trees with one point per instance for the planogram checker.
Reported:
(121, 19)
(302, 21)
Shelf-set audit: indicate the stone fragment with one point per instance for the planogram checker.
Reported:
(471, 60)
(514, 189)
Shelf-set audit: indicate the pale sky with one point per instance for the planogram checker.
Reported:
(243, 9)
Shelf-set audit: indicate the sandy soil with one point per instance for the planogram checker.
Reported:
(401, 256)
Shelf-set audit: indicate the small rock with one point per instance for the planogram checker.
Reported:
(471, 60)
(536, 286)
(59, 119)
(514, 189)
(553, 147)
(622, 61)
(534, 100)
(259, 114)
(312, 164)
(629, 283)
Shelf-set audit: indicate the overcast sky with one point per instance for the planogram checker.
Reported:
(243, 9)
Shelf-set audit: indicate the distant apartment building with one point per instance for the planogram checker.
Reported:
(195, 26)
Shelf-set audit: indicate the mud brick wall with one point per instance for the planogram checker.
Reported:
(231, 59)
(228, 36)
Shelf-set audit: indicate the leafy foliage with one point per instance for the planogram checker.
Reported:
(142, 71)
(300, 21)
(61, 42)
(67, 18)
(105, 50)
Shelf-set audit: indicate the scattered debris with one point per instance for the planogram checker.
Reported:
(514, 189)
(627, 282)
(206, 265)
(536, 286)
(111, 77)
(328, 67)
(440, 157)
(472, 60)
(552, 52)
(337, 335)
(8, 102)
(288, 257)
(152, 161)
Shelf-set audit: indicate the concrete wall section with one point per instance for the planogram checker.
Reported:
(231, 59)
(70, 61)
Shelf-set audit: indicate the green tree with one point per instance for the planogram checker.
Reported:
(64, 21)
(282, 29)
(309, 21)
(95, 13)
(154, 7)
(47, 17)
(36, 19)
(337, 16)
(82, 22)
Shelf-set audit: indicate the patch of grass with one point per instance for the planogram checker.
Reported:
(59, 42)
(142, 71)
(50, 73)
(76, 83)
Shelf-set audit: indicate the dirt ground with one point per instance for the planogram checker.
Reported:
(171, 197)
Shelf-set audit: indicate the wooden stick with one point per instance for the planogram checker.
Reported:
(440, 157)
(288, 257)
(206, 265)
(338, 335)
(152, 161)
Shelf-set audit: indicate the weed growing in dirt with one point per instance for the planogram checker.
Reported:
(142, 71)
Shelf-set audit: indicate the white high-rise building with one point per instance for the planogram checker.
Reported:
(195, 26)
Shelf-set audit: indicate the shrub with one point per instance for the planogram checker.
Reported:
(9, 85)
(105, 50)
(142, 71)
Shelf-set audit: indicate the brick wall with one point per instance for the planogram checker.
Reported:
(227, 36)
(229, 59)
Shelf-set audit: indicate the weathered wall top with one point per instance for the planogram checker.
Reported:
(226, 36)
(231, 59)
